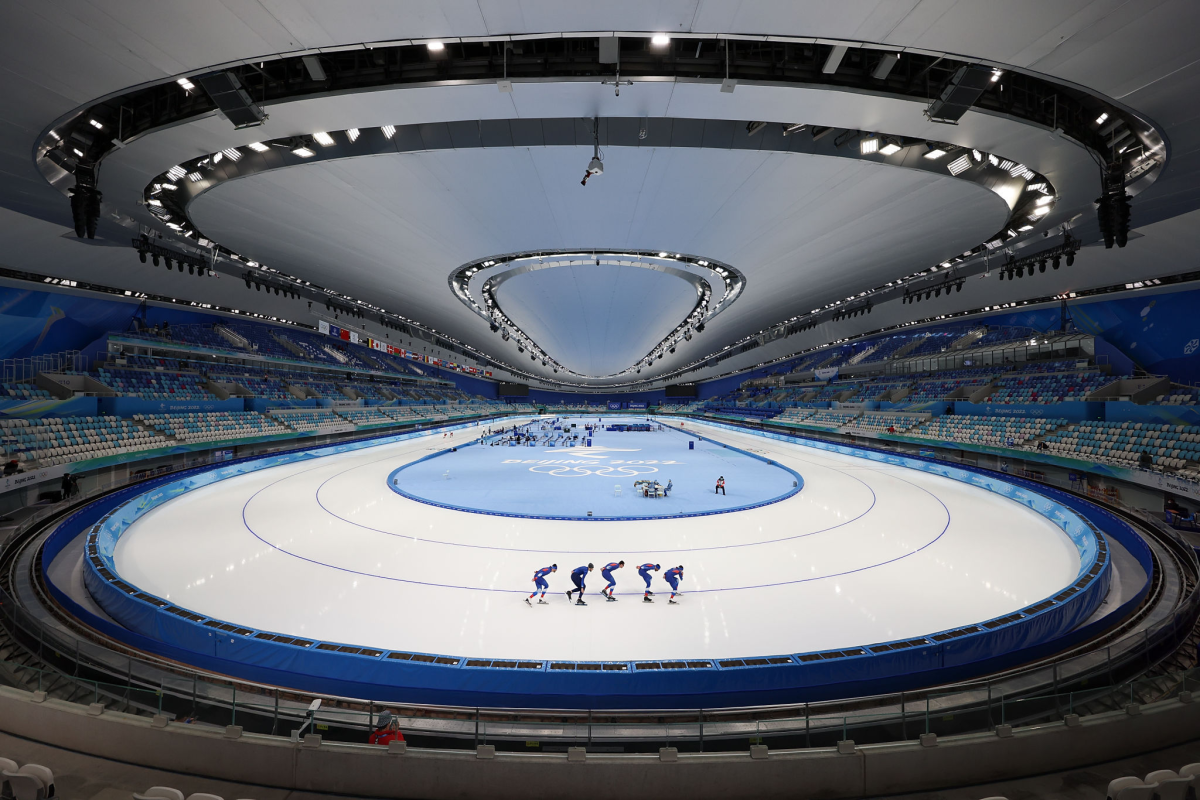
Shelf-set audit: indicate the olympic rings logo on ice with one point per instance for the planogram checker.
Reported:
(564, 471)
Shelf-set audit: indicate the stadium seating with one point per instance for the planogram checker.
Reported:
(62, 440)
(367, 417)
(884, 423)
(1180, 396)
(261, 341)
(311, 420)
(324, 389)
(154, 385)
(259, 385)
(1047, 388)
(981, 430)
(947, 383)
(25, 391)
(1168, 446)
(213, 426)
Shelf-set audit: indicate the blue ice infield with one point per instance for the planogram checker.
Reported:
(559, 482)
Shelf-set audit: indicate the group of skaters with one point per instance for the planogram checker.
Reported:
(579, 575)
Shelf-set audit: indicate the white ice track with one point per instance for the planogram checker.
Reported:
(864, 553)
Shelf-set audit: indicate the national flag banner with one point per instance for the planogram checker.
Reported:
(323, 327)
(354, 337)
(487, 373)
(344, 335)
(335, 331)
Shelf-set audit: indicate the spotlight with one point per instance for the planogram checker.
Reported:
(258, 287)
(1001, 274)
(167, 261)
(154, 258)
(700, 328)
(179, 264)
(191, 268)
(1071, 259)
(247, 283)
(1042, 265)
(937, 292)
(957, 288)
(672, 350)
(1055, 262)
(927, 294)
(142, 256)
(1021, 272)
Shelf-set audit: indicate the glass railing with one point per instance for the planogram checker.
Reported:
(271, 712)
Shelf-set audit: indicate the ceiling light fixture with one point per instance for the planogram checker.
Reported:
(935, 153)
(186, 84)
(258, 147)
(869, 146)
(959, 165)
(323, 139)
(435, 47)
(388, 131)
(889, 148)
(660, 40)
(304, 152)
(352, 135)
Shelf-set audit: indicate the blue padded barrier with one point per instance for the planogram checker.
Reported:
(158, 627)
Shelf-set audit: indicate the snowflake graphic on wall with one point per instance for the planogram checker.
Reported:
(1191, 347)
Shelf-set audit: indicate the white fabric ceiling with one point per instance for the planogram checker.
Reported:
(58, 56)
(596, 319)
(803, 229)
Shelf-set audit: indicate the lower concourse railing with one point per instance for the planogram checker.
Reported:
(1124, 666)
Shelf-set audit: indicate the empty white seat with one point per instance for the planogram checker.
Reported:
(159, 793)
(1116, 785)
(1170, 785)
(1144, 791)
(7, 765)
(203, 796)
(31, 782)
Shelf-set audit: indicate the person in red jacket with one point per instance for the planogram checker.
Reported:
(387, 731)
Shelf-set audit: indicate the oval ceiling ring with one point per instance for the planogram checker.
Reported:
(716, 283)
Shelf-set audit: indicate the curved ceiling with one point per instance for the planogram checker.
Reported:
(596, 319)
(56, 60)
(804, 229)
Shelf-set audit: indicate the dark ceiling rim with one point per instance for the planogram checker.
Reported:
(784, 60)
(732, 281)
